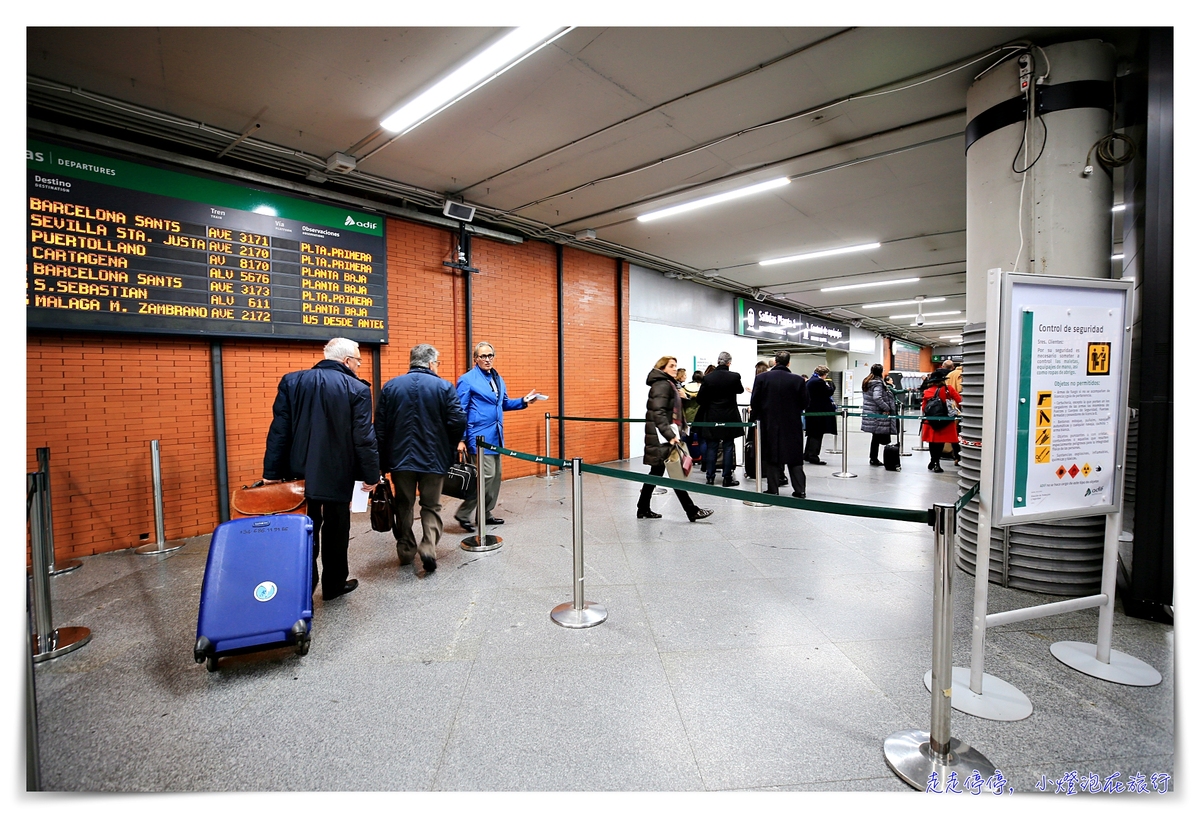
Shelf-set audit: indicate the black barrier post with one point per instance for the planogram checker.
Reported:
(43, 456)
(578, 613)
(48, 642)
(927, 760)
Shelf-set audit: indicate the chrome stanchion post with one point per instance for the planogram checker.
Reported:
(579, 613)
(43, 456)
(901, 440)
(927, 760)
(482, 541)
(160, 545)
(548, 474)
(49, 641)
(845, 472)
(757, 466)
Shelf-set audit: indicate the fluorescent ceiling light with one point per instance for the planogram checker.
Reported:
(472, 75)
(927, 314)
(712, 200)
(940, 323)
(1118, 208)
(820, 253)
(901, 303)
(869, 284)
(949, 337)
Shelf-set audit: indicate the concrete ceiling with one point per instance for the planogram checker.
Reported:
(589, 132)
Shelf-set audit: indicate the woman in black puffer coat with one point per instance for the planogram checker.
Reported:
(878, 400)
(664, 407)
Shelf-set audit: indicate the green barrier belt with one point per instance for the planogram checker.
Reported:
(966, 498)
(532, 458)
(824, 506)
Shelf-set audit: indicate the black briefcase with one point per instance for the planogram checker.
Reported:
(383, 510)
(461, 480)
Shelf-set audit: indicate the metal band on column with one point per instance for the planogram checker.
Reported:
(159, 547)
(579, 613)
(54, 569)
(845, 472)
(49, 642)
(925, 760)
(482, 541)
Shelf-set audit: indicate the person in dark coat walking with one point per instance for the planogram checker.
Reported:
(664, 410)
(718, 404)
(321, 432)
(420, 422)
(777, 401)
(820, 399)
(878, 400)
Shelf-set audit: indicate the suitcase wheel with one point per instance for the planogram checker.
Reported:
(210, 662)
(202, 649)
(302, 648)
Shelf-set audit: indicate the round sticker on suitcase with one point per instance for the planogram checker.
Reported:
(265, 591)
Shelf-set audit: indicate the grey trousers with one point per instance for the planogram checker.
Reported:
(404, 484)
(491, 492)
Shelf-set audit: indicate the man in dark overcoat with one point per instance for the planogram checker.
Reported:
(322, 432)
(718, 404)
(420, 422)
(820, 399)
(778, 401)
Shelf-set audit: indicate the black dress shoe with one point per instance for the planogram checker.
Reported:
(709, 480)
(494, 521)
(700, 514)
(876, 463)
(466, 526)
(768, 491)
(648, 515)
(799, 494)
(938, 470)
(816, 461)
(429, 564)
(730, 482)
(350, 585)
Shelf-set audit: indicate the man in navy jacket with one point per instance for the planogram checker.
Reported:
(419, 422)
(484, 398)
(322, 433)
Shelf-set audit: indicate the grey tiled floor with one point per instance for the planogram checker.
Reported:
(761, 649)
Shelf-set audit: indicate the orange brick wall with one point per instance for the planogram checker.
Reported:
(98, 399)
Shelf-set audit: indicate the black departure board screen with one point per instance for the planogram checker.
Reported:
(124, 246)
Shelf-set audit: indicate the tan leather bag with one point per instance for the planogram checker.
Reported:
(269, 498)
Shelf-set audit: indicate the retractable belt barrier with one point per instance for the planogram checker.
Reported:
(917, 757)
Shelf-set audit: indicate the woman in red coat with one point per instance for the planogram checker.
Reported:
(935, 385)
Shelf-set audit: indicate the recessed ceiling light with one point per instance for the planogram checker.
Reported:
(901, 303)
(949, 337)
(822, 253)
(870, 284)
(476, 72)
(940, 323)
(714, 199)
(927, 314)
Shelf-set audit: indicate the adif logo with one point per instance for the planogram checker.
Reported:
(350, 222)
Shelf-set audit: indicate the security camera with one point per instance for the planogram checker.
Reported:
(920, 320)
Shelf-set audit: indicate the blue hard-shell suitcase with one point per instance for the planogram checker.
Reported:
(257, 590)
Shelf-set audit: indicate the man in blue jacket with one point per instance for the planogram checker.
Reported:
(322, 433)
(419, 422)
(485, 400)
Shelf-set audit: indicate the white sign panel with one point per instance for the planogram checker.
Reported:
(1063, 394)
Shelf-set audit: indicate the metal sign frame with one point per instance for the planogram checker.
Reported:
(1052, 293)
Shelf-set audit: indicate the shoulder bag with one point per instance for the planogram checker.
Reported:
(461, 480)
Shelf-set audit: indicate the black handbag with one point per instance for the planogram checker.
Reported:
(461, 480)
(383, 506)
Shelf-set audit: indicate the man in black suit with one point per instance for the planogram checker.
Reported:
(718, 404)
(778, 401)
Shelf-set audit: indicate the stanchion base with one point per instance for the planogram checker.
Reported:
(152, 549)
(591, 615)
(909, 756)
(844, 474)
(999, 700)
(62, 640)
(1122, 668)
(753, 504)
(65, 567)
(550, 476)
(660, 490)
(490, 543)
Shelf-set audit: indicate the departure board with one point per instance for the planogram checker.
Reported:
(125, 246)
